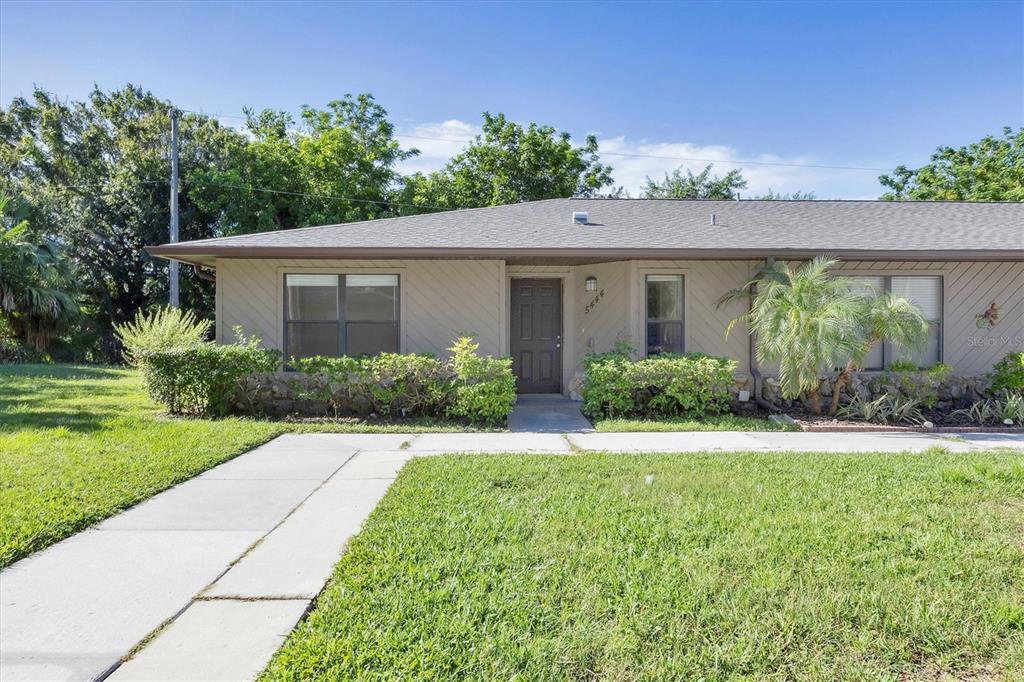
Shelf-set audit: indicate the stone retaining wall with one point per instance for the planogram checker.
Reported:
(949, 393)
(280, 394)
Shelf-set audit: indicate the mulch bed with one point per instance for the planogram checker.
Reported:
(820, 423)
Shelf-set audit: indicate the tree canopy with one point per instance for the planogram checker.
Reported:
(703, 185)
(991, 169)
(509, 163)
(337, 165)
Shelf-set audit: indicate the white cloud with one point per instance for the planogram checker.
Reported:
(635, 160)
(437, 143)
(654, 159)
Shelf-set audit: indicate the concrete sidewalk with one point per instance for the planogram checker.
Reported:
(229, 561)
(238, 550)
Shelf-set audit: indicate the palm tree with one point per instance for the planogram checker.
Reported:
(37, 285)
(806, 320)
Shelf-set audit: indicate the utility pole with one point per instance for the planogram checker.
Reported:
(174, 205)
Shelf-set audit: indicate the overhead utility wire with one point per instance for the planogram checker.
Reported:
(632, 154)
(264, 189)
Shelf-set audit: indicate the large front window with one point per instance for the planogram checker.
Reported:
(925, 292)
(664, 314)
(340, 314)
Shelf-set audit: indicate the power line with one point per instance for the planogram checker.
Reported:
(101, 186)
(383, 202)
(634, 155)
(686, 158)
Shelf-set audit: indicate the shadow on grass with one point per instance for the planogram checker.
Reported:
(70, 396)
(44, 371)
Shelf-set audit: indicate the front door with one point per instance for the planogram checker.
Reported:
(536, 329)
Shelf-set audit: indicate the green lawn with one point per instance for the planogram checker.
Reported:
(725, 422)
(751, 566)
(78, 444)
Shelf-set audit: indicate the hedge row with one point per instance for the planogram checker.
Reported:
(689, 385)
(210, 379)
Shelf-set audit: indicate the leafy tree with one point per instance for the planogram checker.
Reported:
(336, 166)
(509, 163)
(700, 186)
(807, 321)
(991, 169)
(37, 285)
(785, 196)
(95, 174)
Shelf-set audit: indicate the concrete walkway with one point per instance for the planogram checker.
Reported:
(229, 561)
(547, 413)
(233, 556)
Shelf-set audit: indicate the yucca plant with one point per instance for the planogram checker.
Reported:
(981, 412)
(808, 320)
(162, 329)
(862, 409)
(1010, 408)
(903, 410)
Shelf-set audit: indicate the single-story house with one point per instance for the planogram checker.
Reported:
(549, 281)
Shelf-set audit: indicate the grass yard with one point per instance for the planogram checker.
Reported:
(78, 444)
(752, 566)
(725, 422)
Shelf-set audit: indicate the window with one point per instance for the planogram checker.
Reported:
(664, 314)
(926, 293)
(340, 314)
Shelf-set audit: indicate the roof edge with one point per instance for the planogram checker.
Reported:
(188, 252)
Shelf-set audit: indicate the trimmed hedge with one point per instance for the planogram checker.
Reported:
(210, 379)
(484, 386)
(689, 385)
(388, 384)
(202, 379)
(470, 387)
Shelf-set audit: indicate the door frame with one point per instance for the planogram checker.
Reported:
(568, 280)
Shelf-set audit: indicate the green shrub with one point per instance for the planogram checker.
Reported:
(995, 411)
(386, 384)
(690, 385)
(203, 378)
(483, 387)
(919, 384)
(164, 329)
(400, 384)
(1008, 373)
(471, 387)
(886, 409)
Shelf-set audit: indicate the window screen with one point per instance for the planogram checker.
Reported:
(341, 314)
(926, 294)
(664, 314)
(924, 291)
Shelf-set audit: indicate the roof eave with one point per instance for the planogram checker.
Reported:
(205, 254)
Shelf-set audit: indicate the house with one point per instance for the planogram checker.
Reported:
(549, 281)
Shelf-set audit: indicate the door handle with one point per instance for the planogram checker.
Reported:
(558, 345)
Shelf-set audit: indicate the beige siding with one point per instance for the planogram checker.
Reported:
(443, 298)
(704, 322)
(968, 290)
(608, 319)
(439, 299)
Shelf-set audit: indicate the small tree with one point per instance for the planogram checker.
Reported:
(807, 320)
(37, 284)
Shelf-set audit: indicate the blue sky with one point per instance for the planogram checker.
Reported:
(851, 84)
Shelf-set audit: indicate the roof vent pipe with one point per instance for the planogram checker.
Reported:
(713, 219)
(580, 217)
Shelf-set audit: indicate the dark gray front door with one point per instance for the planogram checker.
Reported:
(537, 335)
